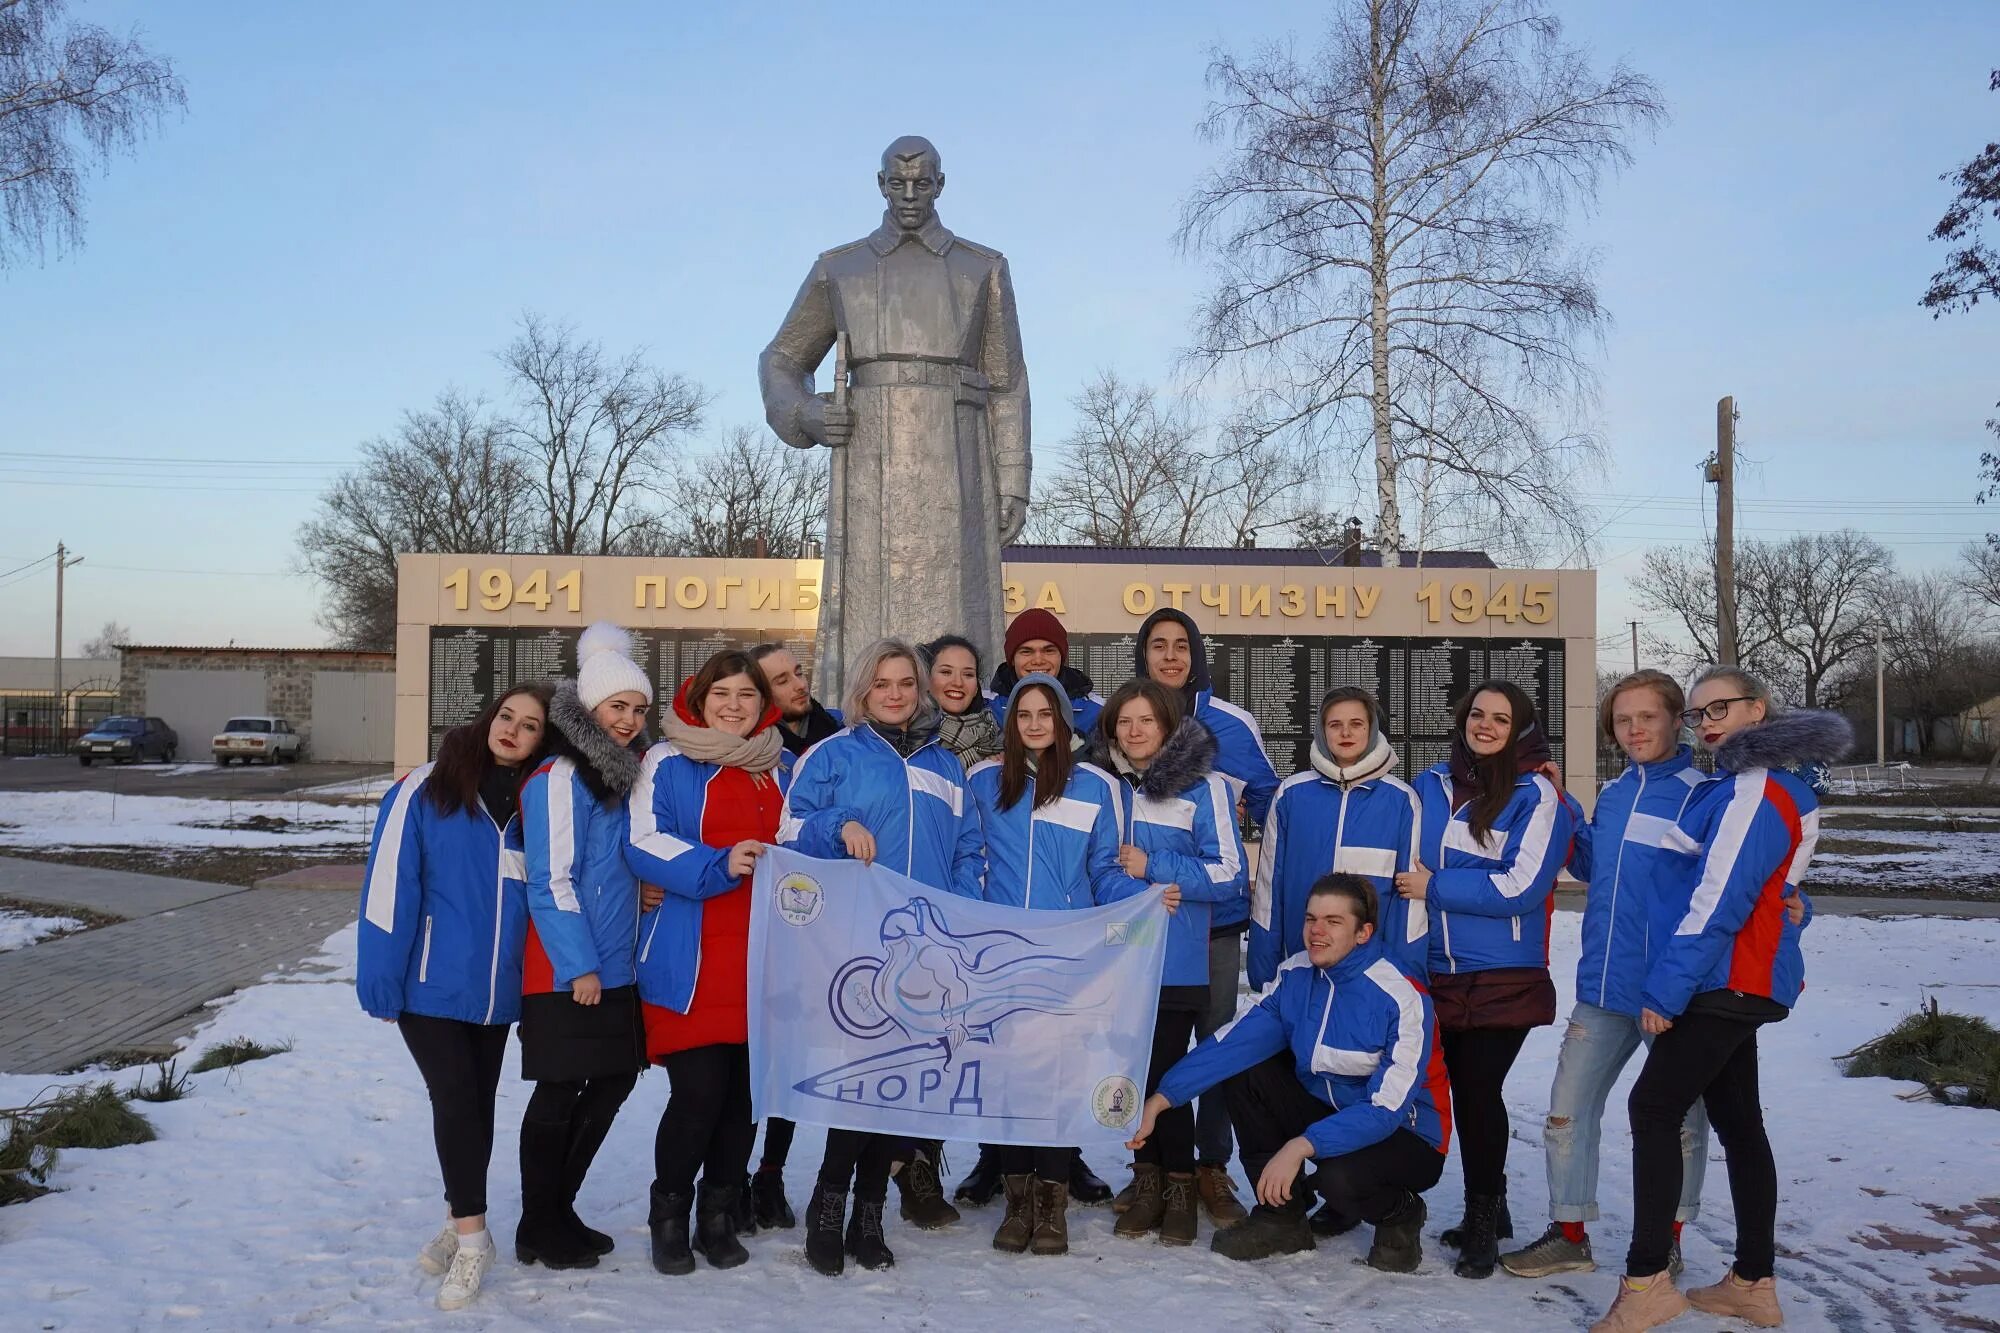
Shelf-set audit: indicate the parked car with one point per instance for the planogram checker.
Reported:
(126, 740)
(270, 739)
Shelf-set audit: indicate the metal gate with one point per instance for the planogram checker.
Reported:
(353, 717)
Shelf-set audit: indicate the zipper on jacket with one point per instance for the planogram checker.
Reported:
(1617, 875)
(1028, 889)
(424, 963)
(1326, 1016)
(1444, 917)
(499, 907)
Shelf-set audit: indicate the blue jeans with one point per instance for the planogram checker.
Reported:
(1595, 1049)
(1225, 980)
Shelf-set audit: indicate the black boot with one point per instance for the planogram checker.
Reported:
(826, 1213)
(983, 1185)
(1269, 1231)
(1330, 1221)
(586, 1136)
(1504, 1230)
(715, 1225)
(746, 1209)
(923, 1204)
(667, 1220)
(1084, 1186)
(544, 1235)
(864, 1235)
(767, 1198)
(1399, 1237)
(1478, 1239)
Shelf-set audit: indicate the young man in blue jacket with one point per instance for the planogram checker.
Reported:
(1337, 1062)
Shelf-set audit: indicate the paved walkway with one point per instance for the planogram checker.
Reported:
(140, 984)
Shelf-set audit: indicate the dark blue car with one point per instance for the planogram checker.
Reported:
(127, 740)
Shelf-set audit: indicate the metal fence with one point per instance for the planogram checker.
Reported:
(28, 721)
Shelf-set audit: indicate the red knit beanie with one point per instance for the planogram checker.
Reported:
(1037, 624)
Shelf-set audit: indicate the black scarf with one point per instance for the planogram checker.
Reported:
(819, 725)
(500, 792)
(906, 741)
(1531, 751)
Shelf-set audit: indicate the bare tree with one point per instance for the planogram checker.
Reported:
(752, 496)
(1972, 269)
(71, 94)
(105, 645)
(1938, 664)
(1393, 205)
(1678, 583)
(447, 481)
(1979, 568)
(1137, 471)
(1819, 595)
(598, 435)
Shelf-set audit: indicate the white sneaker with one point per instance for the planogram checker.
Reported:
(461, 1284)
(436, 1256)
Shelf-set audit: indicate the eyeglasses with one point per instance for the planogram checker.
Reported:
(1715, 710)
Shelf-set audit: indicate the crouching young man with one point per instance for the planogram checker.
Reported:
(1337, 1061)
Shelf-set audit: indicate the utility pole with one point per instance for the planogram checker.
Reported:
(56, 709)
(1723, 473)
(1881, 709)
(1635, 645)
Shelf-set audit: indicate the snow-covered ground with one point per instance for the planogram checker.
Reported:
(1922, 852)
(85, 819)
(20, 929)
(296, 1190)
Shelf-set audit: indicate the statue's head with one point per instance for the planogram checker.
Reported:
(911, 179)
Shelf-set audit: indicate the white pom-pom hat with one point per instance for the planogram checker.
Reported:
(604, 665)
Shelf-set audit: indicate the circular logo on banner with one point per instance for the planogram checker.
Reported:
(1116, 1101)
(799, 899)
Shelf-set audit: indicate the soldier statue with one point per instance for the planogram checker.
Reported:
(927, 420)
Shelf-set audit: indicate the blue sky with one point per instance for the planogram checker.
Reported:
(364, 197)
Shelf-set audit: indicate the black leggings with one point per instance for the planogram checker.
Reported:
(777, 1142)
(580, 1101)
(1171, 1146)
(861, 1158)
(1269, 1107)
(1041, 1163)
(460, 1063)
(1476, 1061)
(1713, 1058)
(707, 1124)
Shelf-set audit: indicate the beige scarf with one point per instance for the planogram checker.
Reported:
(707, 745)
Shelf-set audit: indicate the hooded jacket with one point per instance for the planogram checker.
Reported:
(1084, 701)
(1363, 1040)
(1634, 858)
(443, 912)
(1322, 822)
(1183, 816)
(683, 818)
(583, 901)
(1756, 825)
(916, 808)
(1491, 899)
(1058, 856)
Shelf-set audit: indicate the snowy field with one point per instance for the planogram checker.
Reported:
(295, 1191)
(1890, 850)
(81, 820)
(20, 929)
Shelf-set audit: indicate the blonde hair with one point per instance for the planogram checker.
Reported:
(1659, 682)
(1749, 682)
(861, 676)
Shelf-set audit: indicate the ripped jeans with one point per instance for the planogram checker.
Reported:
(1597, 1045)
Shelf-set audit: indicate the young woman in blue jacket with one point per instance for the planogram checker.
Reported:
(581, 1041)
(443, 917)
(1723, 959)
(1179, 830)
(881, 790)
(1632, 857)
(1495, 834)
(1050, 826)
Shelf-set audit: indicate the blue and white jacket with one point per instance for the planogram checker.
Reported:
(1757, 825)
(1634, 858)
(443, 912)
(916, 808)
(1053, 856)
(1492, 900)
(1184, 818)
(583, 900)
(1320, 824)
(1363, 1040)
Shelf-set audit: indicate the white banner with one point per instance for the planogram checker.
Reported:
(880, 1004)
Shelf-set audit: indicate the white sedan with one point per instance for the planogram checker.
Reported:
(270, 739)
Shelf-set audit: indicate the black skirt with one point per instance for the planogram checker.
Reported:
(565, 1042)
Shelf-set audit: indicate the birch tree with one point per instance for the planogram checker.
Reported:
(1392, 205)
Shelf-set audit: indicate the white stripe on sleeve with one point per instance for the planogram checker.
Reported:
(381, 908)
(1723, 849)
(562, 836)
(1224, 806)
(1534, 848)
(1406, 1057)
(647, 835)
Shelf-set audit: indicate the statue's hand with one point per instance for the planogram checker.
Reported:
(1013, 518)
(827, 422)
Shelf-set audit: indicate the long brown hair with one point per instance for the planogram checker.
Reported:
(1166, 704)
(1052, 779)
(1496, 772)
(729, 662)
(464, 757)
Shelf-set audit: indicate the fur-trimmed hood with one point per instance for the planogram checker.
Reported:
(607, 768)
(1187, 758)
(1788, 740)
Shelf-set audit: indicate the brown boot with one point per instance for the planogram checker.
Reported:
(1178, 1219)
(1218, 1195)
(1639, 1308)
(1018, 1227)
(1121, 1203)
(1733, 1298)
(1051, 1217)
(1149, 1205)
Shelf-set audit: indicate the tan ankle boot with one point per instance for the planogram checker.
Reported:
(1639, 1308)
(1149, 1206)
(1733, 1298)
(1218, 1195)
(1051, 1217)
(1018, 1227)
